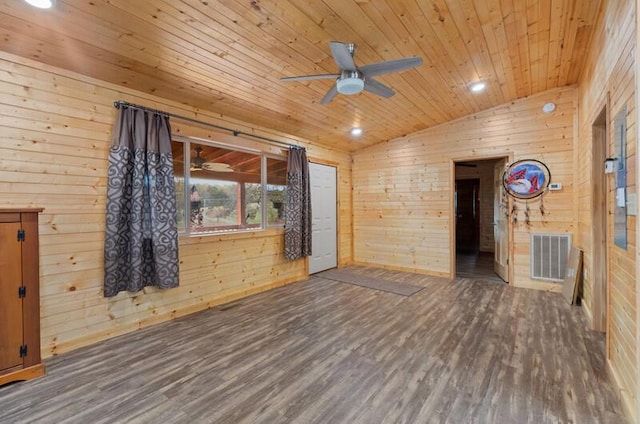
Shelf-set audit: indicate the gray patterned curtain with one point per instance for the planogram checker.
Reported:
(141, 242)
(297, 233)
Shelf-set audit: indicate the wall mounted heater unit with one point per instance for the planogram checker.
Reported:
(549, 254)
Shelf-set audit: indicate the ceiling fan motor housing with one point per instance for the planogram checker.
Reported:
(198, 161)
(350, 82)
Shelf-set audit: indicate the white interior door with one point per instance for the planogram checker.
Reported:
(324, 245)
(500, 225)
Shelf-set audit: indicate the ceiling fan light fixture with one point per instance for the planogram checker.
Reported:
(353, 80)
(41, 4)
(350, 82)
(477, 86)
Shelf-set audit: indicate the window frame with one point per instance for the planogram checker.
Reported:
(186, 224)
(265, 190)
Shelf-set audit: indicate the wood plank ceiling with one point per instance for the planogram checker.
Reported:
(227, 56)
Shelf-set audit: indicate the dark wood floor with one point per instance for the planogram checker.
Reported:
(321, 351)
(476, 265)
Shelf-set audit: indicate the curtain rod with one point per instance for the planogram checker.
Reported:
(120, 103)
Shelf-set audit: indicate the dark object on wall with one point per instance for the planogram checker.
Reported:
(620, 170)
(526, 179)
(19, 296)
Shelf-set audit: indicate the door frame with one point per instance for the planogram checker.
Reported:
(336, 165)
(601, 296)
(452, 217)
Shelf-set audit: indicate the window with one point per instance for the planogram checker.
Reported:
(227, 189)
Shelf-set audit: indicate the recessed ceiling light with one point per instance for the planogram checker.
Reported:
(549, 107)
(356, 131)
(478, 86)
(41, 4)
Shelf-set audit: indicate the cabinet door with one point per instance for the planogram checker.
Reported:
(10, 303)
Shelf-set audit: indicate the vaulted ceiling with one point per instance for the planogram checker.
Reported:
(227, 56)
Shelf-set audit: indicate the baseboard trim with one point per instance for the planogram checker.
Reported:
(24, 374)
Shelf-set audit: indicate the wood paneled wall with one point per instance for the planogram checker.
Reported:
(403, 188)
(609, 80)
(56, 127)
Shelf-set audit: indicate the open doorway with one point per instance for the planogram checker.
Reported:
(477, 244)
(468, 215)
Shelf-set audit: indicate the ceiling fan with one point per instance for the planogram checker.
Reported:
(199, 163)
(353, 79)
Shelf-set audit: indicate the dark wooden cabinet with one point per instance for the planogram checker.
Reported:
(19, 296)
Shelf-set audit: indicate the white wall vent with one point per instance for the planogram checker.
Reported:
(549, 253)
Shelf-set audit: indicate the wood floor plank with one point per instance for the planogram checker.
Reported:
(320, 351)
(476, 265)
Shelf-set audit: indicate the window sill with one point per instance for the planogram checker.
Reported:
(232, 235)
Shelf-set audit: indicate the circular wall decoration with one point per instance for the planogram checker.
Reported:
(526, 179)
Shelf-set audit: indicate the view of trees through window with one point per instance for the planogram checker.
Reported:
(224, 192)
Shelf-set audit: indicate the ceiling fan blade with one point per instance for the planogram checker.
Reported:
(333, 91)
(378, 88)
(390, 66)
(342, 55)
(310, 77)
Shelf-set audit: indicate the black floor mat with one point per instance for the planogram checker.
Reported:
(396, 287)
